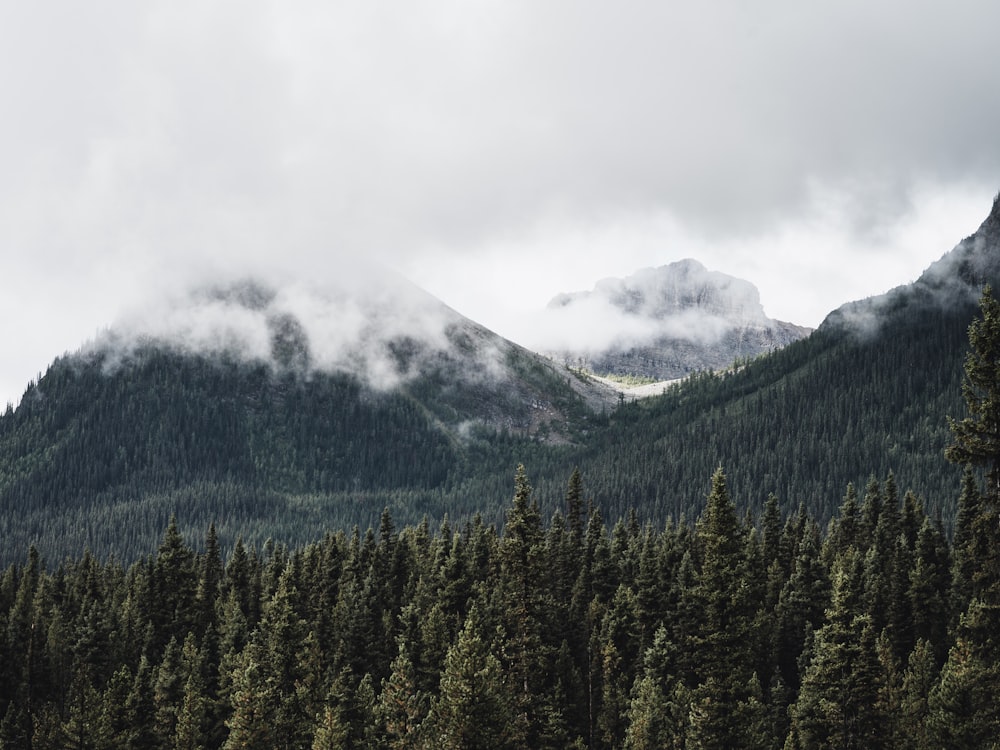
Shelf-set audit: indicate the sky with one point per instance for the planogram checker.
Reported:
(495, 152)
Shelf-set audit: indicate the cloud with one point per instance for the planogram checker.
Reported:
(149, 141)
(198, 127)
(593, 325)
(682, 300)
(370, 323)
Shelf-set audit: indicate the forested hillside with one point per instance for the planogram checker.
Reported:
(102, 450)
(798, 423)
(725, 633)
(868, 393)
(100, 453)
(768, 629)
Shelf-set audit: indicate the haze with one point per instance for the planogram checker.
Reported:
(496, 153)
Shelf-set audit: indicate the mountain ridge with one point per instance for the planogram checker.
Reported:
(666, 322)
(101, 452)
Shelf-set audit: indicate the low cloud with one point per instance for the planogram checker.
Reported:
(458, 134)
(682, 301)
(371, 324)
(954, 281)
(593, 324)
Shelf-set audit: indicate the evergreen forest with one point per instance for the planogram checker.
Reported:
(107, 445)
(100, 460)
(207, 553)
(875, 632)
(770, 629)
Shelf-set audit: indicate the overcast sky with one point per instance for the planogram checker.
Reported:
(496, 152)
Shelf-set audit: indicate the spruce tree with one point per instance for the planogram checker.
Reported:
(474, 709)
(209, 580)
(401, 705)
(977, 436)
(918, 681)
(522, 600)
(348, 719)
(838, 704)
(168, 693)
(962, 709)
(929, 588)
(192, 714)
(977, 443)
(721, 590)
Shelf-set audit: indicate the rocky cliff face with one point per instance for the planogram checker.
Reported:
(664, 292)
(667, 322)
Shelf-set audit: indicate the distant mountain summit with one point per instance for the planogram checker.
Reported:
(279, 410)
(667, 322)
(382, 332)
(274, 406)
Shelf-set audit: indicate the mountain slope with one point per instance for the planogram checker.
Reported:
(247, 428)
(665, 323)
(266, 438)
(867, 394)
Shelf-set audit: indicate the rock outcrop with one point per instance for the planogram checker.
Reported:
(670, 321)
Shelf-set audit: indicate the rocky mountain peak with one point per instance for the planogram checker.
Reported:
(683, 286)
(667, 322)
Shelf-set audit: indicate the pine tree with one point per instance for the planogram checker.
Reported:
(617, 652)
(348, 718)
(770, 526)
(475, 708)
(961, 709)
(209, 581)
(574, 506)
(401, 706)
(251, 726)
(523, 602)
(977, 436)
(168, 693)
(967, 552)
(721, 590)
(847, 530)
(649, 719)
(117, 721)
(83, 727)
(721, 642)
(192, 713)
(918, 681)
(140, 708)
(977, 443)
(17, 636)
(838, 704)
(929, 589)
(174, 588)
(269, 705)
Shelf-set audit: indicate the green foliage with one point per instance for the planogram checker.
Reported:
(100, 452)
(838, 703)
(475, 708)
(673, 629)
(977, 436)
(714, 631)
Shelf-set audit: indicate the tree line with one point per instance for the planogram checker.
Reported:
(89, 454)
(729, 632)
(877, 629)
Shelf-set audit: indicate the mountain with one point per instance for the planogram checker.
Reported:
(868, 394)
(280, 412)
(235, 404)
(665, 323)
